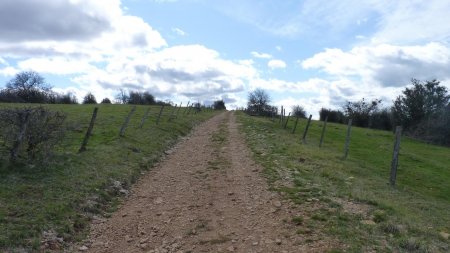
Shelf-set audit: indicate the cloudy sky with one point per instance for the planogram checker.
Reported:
(315, 53)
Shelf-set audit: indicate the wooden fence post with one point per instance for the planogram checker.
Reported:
(89, 131)
(287, 120)
(323, 131)
(159, 115)
(347, 139)
(127, 120)
(295, 126)
(24, 120)
(394, 163)
(306, 129)
(281, 115)
(144, 117)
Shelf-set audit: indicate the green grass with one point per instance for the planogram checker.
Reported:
(407, 218)
(63, 195)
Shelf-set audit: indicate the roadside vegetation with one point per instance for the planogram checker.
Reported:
(351, 200)
(50, 202)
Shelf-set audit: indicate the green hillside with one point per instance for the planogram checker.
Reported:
(356, 204)
(61, 197)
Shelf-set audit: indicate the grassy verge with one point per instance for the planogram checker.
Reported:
(55, 202)
(353, 201)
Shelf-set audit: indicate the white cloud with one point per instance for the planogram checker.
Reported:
(385, 65)
(164, 1)
(25, 20)
(413, 21)
(8, 71)
(127, 35)
(125, 52)
(179, 32)
(261, 55)
(189, 72)
(279, 48)
(315, 85)
(309, 104)
(56, 65)
(276, 64)
(385, 21)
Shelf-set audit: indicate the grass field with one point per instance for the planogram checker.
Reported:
(63, 196)
(357, 205)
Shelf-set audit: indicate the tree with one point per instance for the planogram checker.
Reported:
(382, 120)
(27, 87)
(89, 99)
(148, 98)
(440, 129)
(333, 115)
(299, 111)
(421, 102)
(361, 111)
(139, 98)
(122, 97)
(68, 98)
(106, 101)
(258, 102)
(219, 105)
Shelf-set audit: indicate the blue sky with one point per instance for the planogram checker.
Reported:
(311, 53)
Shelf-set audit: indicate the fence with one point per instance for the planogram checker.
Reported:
(283, 122)
(134, 118)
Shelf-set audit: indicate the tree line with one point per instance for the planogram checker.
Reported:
(30, 87)
(423, 110)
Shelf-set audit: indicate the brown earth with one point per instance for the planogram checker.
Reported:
(207, 195)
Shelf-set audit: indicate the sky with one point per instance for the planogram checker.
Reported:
(313, 53)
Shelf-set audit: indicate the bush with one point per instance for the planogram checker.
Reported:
(89, 99)
(106, 101)
(382, 120)
(361, 111)
(437, 129)
(219, 105)
(28, 132)
(424, 111)
(298, 111)
(420, 103)
(335, 116)
(141, 98)
(68, 98)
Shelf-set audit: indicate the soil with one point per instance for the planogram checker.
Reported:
(207, 195)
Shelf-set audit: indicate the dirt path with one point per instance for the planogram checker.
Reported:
(206, 196)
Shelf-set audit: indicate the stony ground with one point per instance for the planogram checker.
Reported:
(207, 195)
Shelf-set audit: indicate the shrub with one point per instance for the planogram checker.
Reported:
(89, 99)
(68, 98)
(382, 120)
(141, 98)
(106, 101)
(299, 111)
(335, 116)
(28, 132)
(361, 111)
(219, 105)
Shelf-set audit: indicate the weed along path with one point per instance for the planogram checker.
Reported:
(207, 195)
